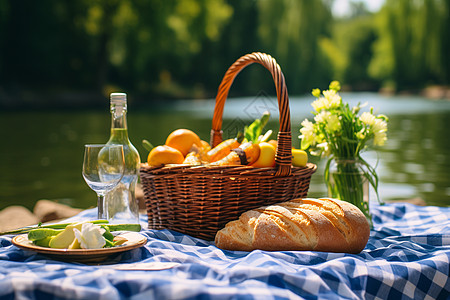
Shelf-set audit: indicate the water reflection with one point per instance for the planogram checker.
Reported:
(418, 154)
(41, 157)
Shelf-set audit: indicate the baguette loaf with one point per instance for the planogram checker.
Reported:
(302, 224)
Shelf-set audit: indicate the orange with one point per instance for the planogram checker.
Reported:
(164, 154)
(183, 140)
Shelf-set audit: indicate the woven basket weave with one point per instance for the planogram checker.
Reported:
(200, 200)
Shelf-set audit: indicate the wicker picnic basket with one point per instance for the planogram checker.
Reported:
(200, 200)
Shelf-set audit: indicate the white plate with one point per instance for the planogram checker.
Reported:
(134, 240)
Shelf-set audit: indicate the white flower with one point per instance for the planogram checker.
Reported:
(308, 135)
(308, 125)
(90, 236)
(379, 139)
(319, 104)
(367, 118)
(379, 125)
(333, 98)
(331, 121)
(330, 100)
(322, 117)
(379, 131)
(337, 128)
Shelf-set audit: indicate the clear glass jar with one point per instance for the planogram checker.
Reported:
(347, 181)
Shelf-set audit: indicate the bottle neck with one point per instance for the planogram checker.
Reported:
(118, 116)
(119, 132)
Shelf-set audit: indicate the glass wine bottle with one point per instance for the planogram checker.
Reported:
(120, 204)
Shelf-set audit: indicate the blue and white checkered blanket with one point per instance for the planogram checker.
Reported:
(407, 257)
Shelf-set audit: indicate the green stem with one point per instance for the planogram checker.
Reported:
(347, 183)
(53, 226)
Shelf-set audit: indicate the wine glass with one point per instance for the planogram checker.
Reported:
(103, 168)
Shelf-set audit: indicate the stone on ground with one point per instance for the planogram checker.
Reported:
(46, 211)
(16, 216)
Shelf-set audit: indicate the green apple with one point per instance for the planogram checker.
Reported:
(64, 239)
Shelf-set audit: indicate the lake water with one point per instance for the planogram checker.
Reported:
(41, 152)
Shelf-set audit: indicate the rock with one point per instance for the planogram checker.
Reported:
(16, 216)
(46, 210)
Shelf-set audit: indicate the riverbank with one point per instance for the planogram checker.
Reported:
(436, 92)
(432, 92)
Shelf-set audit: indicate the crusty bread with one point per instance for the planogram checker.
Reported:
(324, 224)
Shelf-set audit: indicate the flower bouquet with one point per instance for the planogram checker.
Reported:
(341, 134)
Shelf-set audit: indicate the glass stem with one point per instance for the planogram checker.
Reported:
(100, 207)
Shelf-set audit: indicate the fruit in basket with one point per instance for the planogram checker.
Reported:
(200, 153)
(162, 155)
(183, 140)
(192, 159)
(299, 158)
(246, 154)
(266, 157)
(203, 152)
(204, 146)
(274, 143)
(222, 150)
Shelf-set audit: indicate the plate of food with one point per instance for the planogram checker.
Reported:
(81, 243)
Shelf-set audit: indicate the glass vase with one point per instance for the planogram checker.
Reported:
(347, 181)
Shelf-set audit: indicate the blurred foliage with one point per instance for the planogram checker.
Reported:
(290, 30)
(349, 50)
(159, 49)
(413, 45)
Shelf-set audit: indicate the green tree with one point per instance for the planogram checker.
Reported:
(239, 37)
(290, 30)
(411, 50)
(350, 50)
(165, 40)
(40, 45)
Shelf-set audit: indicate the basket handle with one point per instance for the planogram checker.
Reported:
(283, 156)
